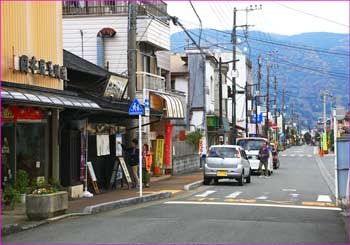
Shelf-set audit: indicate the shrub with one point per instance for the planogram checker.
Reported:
(22, 181)
(193, 138)
(10, 196)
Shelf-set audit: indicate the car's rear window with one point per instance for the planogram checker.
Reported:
(224, 152)
(251, 144)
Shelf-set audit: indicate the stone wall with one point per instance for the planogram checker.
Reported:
(185, 164)
(185, 158)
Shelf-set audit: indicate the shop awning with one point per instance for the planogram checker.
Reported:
(46, 97)
(174, 106)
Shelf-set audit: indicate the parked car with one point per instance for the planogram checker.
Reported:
(251, 146)
(275, 159)
(227, 162)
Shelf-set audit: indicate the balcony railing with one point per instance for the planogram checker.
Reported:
(149, 81)
(97, 8)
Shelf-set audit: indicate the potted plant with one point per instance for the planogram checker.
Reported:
(22, 184)
(46, 201)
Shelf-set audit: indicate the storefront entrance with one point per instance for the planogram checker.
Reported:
(25, 145)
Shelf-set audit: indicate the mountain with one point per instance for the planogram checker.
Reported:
(304, 64)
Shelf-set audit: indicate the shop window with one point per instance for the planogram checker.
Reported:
(32, 148)
(7, 153)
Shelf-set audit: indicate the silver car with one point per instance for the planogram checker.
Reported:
(226, 162)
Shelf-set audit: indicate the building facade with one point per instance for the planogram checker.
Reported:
(98, 32)
(32, 82)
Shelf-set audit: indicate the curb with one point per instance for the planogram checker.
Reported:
(193, 185)
(15, 228)
(103, 207)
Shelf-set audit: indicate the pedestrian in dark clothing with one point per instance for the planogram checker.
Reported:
(264, 159)
(132, 159)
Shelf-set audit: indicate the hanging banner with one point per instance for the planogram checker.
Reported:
(102, 144)
(118, 145)
(167, 150)
(160, 152)
(324, 142)
(14, 113)
(83, 138)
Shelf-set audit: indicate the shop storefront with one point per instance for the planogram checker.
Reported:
(161, 133)
(30, 129)
(25, 137)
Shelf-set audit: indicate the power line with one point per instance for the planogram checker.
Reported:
(283, 62)
(307, 48)
(306, 13)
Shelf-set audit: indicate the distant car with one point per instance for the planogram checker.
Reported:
(251, 146)
(226, 162)
(275, 159)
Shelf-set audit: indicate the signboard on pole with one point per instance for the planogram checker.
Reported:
(137, 110)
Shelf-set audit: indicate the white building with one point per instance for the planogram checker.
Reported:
(98, 32)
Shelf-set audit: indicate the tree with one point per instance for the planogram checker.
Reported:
(307, 138)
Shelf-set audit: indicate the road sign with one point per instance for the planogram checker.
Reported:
(147, 104)
(136, 108)
(147, 107)
(260, 118)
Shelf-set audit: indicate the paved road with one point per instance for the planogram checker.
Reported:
(295, 205)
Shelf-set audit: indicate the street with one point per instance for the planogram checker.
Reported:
(295, 205)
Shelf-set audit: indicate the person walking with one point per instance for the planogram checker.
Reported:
(146, 165)
(132, 156)
(264, 159)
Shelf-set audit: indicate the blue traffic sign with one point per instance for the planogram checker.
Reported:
(260, 118)
(136, 108)
(147, 104)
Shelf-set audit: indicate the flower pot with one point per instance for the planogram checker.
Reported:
(39, 207)
(23, 198)
(156, 170)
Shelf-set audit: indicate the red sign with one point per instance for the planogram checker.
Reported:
(15, 113)
(167, 147)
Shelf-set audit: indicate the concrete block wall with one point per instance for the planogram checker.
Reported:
(185, 164)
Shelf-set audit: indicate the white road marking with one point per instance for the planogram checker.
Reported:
(252, 205)
(292, 155)
(261, 198)
(294, 194)
(234, 194)
(289, 190)
(301, 155)
(284, 155)
(309, 155)
(205, 194)
(324, 198)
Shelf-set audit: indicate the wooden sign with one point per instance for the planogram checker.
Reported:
(125, 170)
(92, 176)
(120, 165)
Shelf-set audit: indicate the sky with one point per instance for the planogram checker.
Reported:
(274, 17)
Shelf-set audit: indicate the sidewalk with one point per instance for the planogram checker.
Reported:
(16, 220)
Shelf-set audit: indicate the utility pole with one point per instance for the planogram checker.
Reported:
(267, 102)
(292, 109)
(283, 123)
(220, 94)
(325, 94)
(234, 136)
(246, 110)
(275, 108)
(132, 61)
(257, 98)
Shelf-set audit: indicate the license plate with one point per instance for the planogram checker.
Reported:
(221, 173)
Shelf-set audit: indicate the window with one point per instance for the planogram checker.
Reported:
(147, 64)
(250, 144)
(172, 84)
(224, 152)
